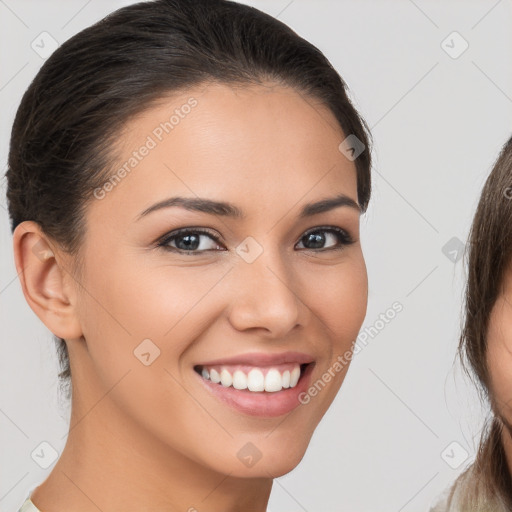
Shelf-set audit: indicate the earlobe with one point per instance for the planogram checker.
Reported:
(43, 281)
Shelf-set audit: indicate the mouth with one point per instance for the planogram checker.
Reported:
(261, 387)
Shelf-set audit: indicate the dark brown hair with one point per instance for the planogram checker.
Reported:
(489, 256)
(66, 125)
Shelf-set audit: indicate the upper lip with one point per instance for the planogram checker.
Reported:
(262, 359)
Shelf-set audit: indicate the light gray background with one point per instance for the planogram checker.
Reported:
(438, 124)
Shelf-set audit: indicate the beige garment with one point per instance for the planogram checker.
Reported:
(28, 506)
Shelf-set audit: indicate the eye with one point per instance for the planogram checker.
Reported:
(315, 239)
(188, 240)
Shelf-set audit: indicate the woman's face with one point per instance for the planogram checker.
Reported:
(254, 298)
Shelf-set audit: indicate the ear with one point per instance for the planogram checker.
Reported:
(46, 283)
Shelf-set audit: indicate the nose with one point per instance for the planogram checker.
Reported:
(263, 296)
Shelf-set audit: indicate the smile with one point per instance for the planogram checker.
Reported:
(258, 384)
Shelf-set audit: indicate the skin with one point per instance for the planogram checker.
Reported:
(499, 360)
(147, 437)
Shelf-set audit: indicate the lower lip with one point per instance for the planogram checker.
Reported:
(264, 403)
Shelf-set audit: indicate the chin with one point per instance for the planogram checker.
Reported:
(273, 465)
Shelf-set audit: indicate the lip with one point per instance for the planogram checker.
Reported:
(263, 403)
(262, 359)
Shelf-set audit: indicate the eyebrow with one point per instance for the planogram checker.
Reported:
(226, 209)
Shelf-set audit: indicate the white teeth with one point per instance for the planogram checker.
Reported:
(294, 376)
(255, 380)
(225, 378)
(214, 376)
(239, 380)
(286, 379)
(273, 380)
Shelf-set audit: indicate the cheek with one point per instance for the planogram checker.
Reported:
(130, 302)
(499, 362)
(340, 298)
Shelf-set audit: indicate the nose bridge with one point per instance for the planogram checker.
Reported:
(265, 293)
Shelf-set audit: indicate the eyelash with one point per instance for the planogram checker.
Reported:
(344, 239)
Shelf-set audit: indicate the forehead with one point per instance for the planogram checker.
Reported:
(265, 146)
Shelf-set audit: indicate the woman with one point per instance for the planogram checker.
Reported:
(185, 185)
(486, 345)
